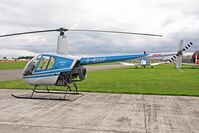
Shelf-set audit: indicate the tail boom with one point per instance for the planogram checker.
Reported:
(106, 59)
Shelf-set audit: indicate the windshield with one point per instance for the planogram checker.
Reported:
(31, 66)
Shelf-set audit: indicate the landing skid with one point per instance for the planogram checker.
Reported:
(56, 92)
(37, 98)
(68, 88)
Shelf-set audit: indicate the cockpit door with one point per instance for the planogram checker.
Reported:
(45, 63)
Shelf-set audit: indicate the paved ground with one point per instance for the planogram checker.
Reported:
(99, 112)
(10, 74)
(16, 74)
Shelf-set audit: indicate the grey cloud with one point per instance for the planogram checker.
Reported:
(21, 15)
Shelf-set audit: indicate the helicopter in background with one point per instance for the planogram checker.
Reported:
(61, 69)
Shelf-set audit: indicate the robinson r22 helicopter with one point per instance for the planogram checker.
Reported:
(61, 69)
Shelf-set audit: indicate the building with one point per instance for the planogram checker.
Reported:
(195, 56)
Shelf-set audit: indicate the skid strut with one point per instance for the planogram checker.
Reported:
(33, 91)
(68, 88)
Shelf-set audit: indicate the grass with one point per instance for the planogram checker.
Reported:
(12, 65)
(163, 79)
(21, 65)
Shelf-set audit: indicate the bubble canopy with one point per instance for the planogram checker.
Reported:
(46, 62)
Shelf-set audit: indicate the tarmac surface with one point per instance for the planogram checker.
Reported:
(17, 74)
(10, 74)
(98, 112)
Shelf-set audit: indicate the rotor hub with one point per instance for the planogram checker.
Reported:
(61, 30)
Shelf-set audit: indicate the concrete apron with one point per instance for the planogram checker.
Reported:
(99, 112)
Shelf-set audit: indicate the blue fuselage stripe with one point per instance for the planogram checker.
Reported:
(49, 72)
(40, 76)
(46, 73)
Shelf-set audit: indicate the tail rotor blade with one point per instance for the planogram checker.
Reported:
(179, 53)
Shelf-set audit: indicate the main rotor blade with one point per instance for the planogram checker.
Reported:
(146, 34)
(62, 30)
(21, 33)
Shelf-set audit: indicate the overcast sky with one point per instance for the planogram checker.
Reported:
(175, 19)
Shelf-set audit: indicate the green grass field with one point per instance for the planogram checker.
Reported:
(163, 79)
(21, 65)
(13, 65)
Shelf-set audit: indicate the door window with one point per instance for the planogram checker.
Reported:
(46, 62)
(51, 63)
(43, 63)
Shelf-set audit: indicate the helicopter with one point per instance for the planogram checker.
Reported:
(62, 69)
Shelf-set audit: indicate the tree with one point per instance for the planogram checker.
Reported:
(25, 57)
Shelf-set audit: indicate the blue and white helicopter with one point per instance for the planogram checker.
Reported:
(61, 69)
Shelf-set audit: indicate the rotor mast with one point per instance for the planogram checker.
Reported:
(62, 45)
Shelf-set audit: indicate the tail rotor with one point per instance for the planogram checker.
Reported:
(178, 56)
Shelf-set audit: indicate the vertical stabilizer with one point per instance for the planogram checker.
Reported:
(179, 57)
(196, 56)
(62, 46)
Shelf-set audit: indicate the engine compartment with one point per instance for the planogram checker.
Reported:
(78, 73)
